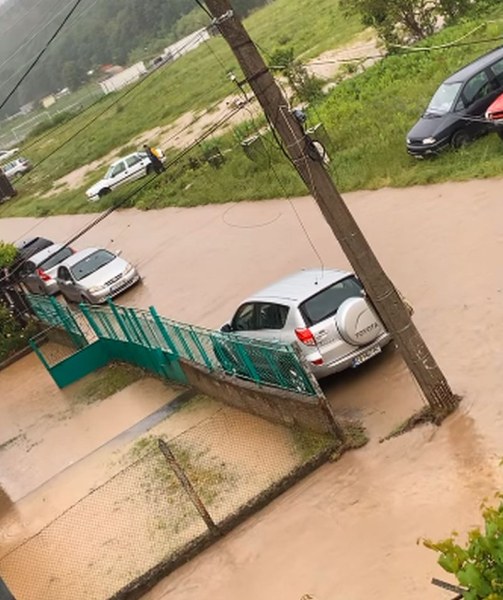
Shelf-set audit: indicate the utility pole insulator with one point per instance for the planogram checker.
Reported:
(296, 144)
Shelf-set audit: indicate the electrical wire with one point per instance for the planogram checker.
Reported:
(41, 53)
(103, 112)
(67, 124)
(39, 30)
(91, 121)
(22, 18)
(136, 191)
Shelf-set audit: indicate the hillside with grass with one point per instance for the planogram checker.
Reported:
(366, 117)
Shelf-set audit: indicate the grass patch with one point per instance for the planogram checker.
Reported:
(309, 444)
(107, 381)
(170, 92)
(367, 118)
(422, 417)
(210, 478)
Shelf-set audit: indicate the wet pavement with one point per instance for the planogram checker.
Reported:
(349, 530)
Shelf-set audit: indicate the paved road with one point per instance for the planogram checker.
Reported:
(350, 530)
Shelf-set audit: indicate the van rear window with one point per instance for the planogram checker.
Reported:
(326, 303)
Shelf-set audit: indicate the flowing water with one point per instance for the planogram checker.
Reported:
(350, 530)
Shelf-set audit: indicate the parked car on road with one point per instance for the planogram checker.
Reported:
(39, 272)
(325, 313)
(94, 275)
(17, 167)
(456, 113)
(30, 246)
(122, 171)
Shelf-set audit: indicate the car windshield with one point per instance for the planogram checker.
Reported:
(326, 303)
(444, 98)
(108, 174)
(90, 264)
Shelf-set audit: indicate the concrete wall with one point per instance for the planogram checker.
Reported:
(279, 406)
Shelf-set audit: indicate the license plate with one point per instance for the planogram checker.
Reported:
(364, 356)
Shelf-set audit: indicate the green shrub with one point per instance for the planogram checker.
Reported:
(13, 336)
(478, 565)
(8, 253)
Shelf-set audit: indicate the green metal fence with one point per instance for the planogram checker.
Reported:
(149, 335)
(55, 314)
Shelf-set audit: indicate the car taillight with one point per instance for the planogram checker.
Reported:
(305, 336)
(43, 275)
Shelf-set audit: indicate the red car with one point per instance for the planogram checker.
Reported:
(495, 114)
(495, 110)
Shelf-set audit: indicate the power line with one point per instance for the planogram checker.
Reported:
(40, 54)
(35, 35)
(136, 191)
(100, 114)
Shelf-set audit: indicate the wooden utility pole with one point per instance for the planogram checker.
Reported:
(187, 486)
(308, 162)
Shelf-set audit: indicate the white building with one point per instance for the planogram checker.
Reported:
(124, 78)
(188, 43)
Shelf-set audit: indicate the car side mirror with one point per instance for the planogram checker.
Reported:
(226, 328)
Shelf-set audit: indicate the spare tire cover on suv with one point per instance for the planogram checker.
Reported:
(357, 322)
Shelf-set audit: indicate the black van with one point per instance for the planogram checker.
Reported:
(456, 113)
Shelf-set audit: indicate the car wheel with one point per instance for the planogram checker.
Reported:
(499, 131)
(104, 192)
(149, 169)
(460, 139)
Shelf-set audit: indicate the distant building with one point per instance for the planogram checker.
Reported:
(187, 44)
(48, 101)
(123, 78)
(27, 108)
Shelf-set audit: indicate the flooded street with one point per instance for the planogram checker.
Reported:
(349, 530)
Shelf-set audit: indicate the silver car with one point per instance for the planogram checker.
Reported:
(39, 272)
(94, 275)
(325, 313)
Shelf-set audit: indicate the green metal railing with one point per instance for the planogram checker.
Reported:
(265, 363)
(55, 314)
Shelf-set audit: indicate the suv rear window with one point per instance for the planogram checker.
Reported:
(56, 258)
(326, 303)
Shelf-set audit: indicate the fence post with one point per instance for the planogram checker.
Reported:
(335, 426)
(36, 349)
(86, 311)
(197, 342)
(247, 361)
(119, 320)
(164, 333)
(139, 327)
(188, 487)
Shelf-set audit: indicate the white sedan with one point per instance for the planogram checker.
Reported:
(122, 171)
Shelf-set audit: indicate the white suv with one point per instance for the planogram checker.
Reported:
(325, 313)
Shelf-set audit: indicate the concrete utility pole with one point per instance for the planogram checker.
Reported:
(309, 164)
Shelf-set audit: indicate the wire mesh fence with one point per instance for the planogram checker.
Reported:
(143, 516)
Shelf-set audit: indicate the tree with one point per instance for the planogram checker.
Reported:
(307, 87)
(399, 22)
(478, 566)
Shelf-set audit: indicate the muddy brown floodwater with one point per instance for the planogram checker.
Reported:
(349, 531)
